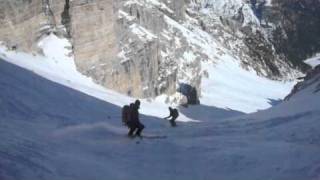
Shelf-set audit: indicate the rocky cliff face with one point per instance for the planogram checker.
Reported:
(145, 48)
(94, 39)
(150, 58)
(235, 24)
(88, 24)
(22, 23)
(297, 29)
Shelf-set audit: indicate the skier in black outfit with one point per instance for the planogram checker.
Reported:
(174, 114)
(134, 121)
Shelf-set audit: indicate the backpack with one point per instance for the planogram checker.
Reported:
(125, 114)
(175, 113)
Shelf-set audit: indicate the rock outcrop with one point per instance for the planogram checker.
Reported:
(145, 48)
(297, 29)
(149, 56)
(94, 39)
(23, 23)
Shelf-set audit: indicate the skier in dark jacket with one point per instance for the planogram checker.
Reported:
(134, 121)
(174, 114)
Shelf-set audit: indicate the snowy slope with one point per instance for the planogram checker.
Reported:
(58, 66)
(199, 49)
(57, 124)
(226, 86)
(314, 61)
(225, 83)
(230, 86)
(50, 131)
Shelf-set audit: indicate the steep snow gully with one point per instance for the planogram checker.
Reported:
(49, 131)
(57, 124)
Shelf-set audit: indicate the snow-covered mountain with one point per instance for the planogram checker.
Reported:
(225, 84)
(64, 126)
(59, 119)
(147, 48)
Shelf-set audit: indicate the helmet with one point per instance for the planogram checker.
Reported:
(137, 103)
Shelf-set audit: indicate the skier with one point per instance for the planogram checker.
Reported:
(174, 114)
(134, 121)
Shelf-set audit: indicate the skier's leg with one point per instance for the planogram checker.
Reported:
(131, 131)
(140, 128)
(173, 122)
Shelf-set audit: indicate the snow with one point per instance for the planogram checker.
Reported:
(49, 131)
(229, 9)
(160, 5)
(314, 61)
(228, 86)
(268, 2)
(231, 87)
(64, 126)
(57, 66)
(189, 56)
(56, 123)
(123, 14)
(123, 57)
(197, 38)
(142, 33)
(149, 4)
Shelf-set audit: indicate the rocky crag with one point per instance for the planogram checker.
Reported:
(145, 48)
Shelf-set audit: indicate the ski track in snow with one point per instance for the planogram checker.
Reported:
(50, 131)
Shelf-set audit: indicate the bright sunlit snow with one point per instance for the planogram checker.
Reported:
(58, 66)
(228, 85)
(231, 87)
(49, 131)
(314, 61)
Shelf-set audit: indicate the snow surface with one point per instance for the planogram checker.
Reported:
(268, 2)
(54, 128)
(230, 86)
(57, 66)
(314, 61)
(142, 33)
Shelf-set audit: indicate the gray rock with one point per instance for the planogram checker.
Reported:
(141, 47)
